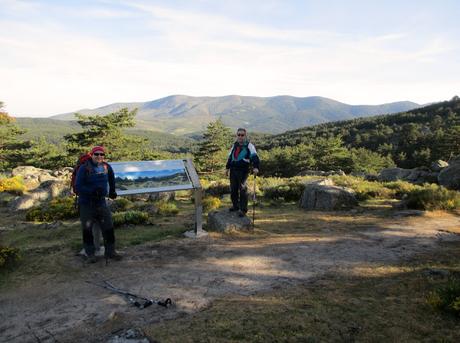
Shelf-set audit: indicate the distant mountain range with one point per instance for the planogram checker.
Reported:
(180, 114)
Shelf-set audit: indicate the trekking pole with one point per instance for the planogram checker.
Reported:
(254, 204)
(131, 296)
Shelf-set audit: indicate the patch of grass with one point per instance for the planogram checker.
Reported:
(167, 208)
(144, 234)
(56, 209)
(9, 257)
(35, 238)
(51, 252)
(446, 297)
(433, 197)
(129, 217)
(378, 304)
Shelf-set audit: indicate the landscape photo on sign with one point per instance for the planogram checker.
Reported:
(150, 174)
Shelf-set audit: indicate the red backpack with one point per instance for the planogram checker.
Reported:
(81, 161)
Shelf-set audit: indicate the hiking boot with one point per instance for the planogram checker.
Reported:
(233, 209)
(114, 256)
(91, 259)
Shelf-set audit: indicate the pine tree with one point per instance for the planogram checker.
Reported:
(450, 143)
(107, 131)
(330, 154)
(212, 150)
(13, 150)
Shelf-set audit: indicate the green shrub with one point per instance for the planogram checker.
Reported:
(211, 203)
(8, 256)
(167, 208)
(129, 217)
(56, 209)
(121, 204)
(364, 189)
(401, 188)
(216, 188)
(288, 189)
(433, 197)
(14, 185)
(447, 297)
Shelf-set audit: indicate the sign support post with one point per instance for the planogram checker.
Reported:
(197, 196)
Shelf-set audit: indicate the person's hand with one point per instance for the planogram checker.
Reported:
(113, 195)
(255, 171)
(227, 172)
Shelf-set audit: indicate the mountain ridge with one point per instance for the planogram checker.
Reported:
(182, 114)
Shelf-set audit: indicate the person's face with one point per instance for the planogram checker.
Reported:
(240, 136)
(98, 157)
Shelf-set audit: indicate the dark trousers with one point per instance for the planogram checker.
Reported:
(239, 189)
(89, 214)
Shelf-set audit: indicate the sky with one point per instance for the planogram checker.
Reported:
(62, 56)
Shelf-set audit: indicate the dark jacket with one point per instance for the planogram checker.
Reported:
(94, 182)
(241, 157)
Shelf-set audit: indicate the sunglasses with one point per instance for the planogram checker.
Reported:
(99, 154)
(241, 135)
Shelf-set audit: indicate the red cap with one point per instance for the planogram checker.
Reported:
(97, 148)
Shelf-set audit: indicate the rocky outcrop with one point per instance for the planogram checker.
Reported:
(34, 177)
(47, 190)
(225, 221)
(41, 185)
(393, 174)
(416, 175)
(325, 196)
(438, 165)
(449, 177)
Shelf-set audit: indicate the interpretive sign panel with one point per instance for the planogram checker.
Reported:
(151, 176)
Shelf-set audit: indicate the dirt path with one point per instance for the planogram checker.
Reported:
(194, 272)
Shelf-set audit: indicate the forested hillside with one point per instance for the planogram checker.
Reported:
(181, 114)
(413, 138)
(364, 145)
(53, 131)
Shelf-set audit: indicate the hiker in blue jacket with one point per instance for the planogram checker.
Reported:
(241, 156)
(95, 180)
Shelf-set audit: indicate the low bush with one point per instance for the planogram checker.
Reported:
(401, 188)
(14, 185)
(129, 217)
(447, 297)
(364, 189)
(167, 208)
(121, 204)
(216, 188)
(56, 209)
(433, 197)
(288, 189)
(8, 256)
(211, 203)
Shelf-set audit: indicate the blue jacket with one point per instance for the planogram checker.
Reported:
(246, 156)
(93, 183)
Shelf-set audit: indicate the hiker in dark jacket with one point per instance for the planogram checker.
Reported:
(95, 180)
(241, 156)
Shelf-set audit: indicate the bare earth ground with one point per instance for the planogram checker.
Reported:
(193, 273)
